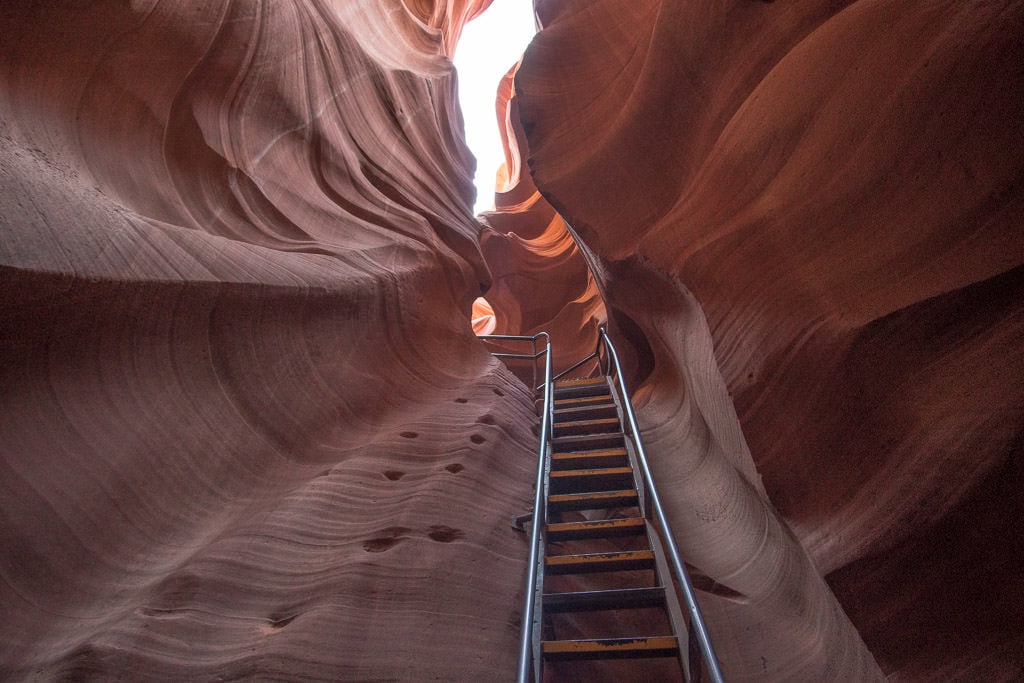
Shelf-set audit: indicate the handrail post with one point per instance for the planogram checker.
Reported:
(533, 365)
(697, 624)
(530, 606)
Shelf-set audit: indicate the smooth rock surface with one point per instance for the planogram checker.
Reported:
(836, 189)
(246, 431)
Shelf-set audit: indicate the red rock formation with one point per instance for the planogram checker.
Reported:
(540, 280)
(839, 185)
(246, 429)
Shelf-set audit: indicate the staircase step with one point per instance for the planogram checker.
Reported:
(587, 442)
(603, 479)
(594, 411)
(582, 401)
(605, 528)
(610, 648)
(580, 382)
(612, 457)
(599, 562)
(601, 500)
(621, 598)
(594, 387)
(603, 425)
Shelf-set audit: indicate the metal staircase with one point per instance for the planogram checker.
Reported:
(605, 575)
(591, 473)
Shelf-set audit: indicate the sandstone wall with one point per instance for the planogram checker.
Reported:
(245, 427)
(805, 219)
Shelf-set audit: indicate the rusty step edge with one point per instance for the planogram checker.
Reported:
(580, 381)
(610, 648)
(606, 406)
(576, 447)
(592, 501)
(567, 531)
(616, 599)
(587, 438)
(598, 423)
(581, 481)
(564, 392)
(625, 561)
(593, 472)
(583, 401)
(612, 457)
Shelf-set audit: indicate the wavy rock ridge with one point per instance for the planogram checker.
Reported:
(246, 428)
(811, 211)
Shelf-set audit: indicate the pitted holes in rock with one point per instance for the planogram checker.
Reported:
(409, 435)
(477, 438)
(498, 392)
(486, 419)
(444, 534)
(394, 475)
(276, 623)
(388, 539)
(455, 467)
(281, 622)
(462, 400)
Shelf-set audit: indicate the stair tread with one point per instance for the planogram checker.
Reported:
(588, 423)
(574, 390)
(592, 421)
(623, 526)
(561, 462)
(592, 472)
(629, 560)
(608, 648)
(614, 599)
(607, 403)
(580, 381)
(588, 443)
(604, 644)
(610, 555)
(598, 452)
(622, 493)
(580, 401)
(569, 438)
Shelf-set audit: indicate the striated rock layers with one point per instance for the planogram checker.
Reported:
(540, 279)
(805, 218)
(246, 430)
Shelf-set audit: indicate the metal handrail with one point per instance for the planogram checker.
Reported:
(697, 625)
(522, 356)
(531, 599)
(575, 365)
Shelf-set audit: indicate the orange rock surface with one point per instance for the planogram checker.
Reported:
(540, 279)
(810, 211)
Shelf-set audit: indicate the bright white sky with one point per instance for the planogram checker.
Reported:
(489, 46)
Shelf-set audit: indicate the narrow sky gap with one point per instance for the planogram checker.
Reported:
(488, 47)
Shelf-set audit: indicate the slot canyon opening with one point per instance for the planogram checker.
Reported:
(489, 46)
(482, 316)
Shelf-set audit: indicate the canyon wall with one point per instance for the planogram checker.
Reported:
(246, 429)
(805, 220)
(540, 280)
